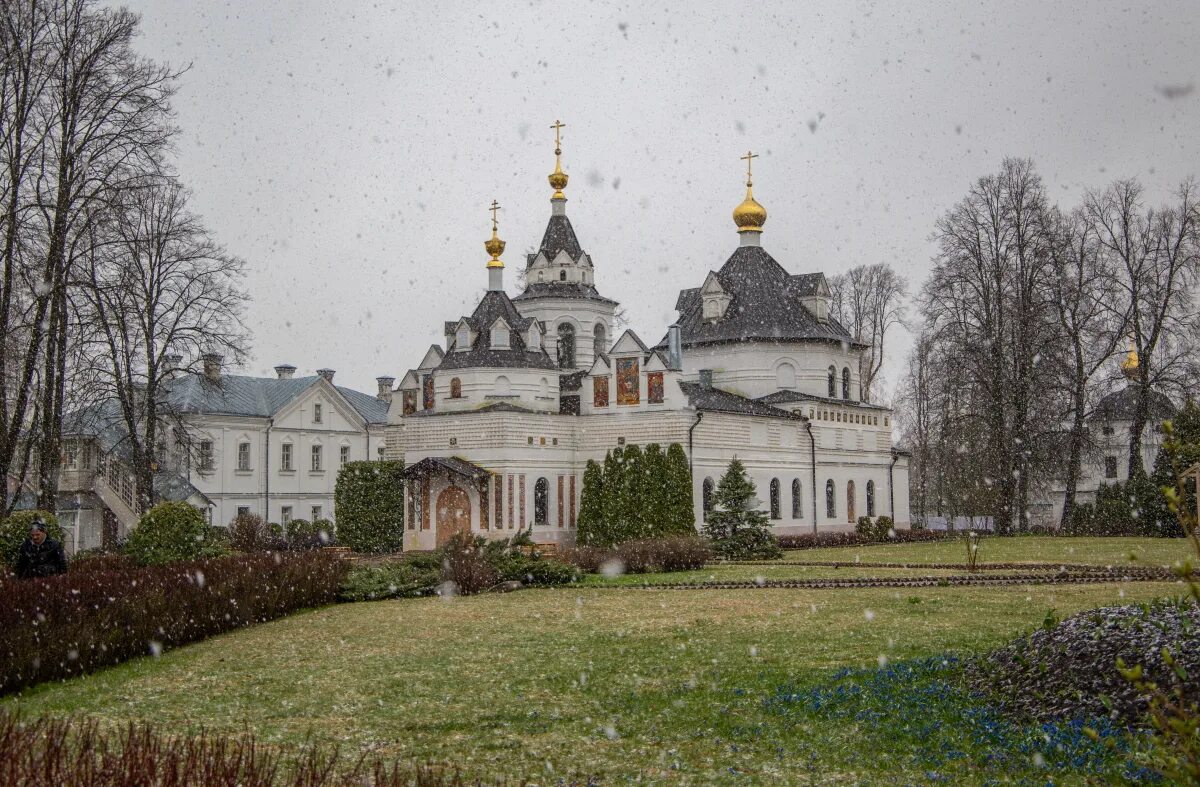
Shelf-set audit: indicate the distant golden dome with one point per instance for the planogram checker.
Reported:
(749, 216)
(1129, 366)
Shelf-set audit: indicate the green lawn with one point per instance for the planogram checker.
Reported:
(747, 573)
(1103, 551)
(662, 686)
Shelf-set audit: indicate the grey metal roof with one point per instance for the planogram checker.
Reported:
(558, 237)
(495, 305)
(452, 464)
(718, 401)
(1120, 405)
(783, 397)
(764, 305)
(562, 289)
(260, 397)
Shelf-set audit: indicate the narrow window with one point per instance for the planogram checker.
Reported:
(599, 340)
(455, 388)
(797, 501)
(776, 511)
(562, 275)
(846, 382)
(285, 515)
(832, 382)
(1110, 467)
(243, 461)
(316, 457)
(285, 456)
(566, 346)
(380, 452)
(317, 413)
(427, 392)
(870, 498)
(316, 513)
(830, 499)
(344, 454)
(541, 502)
(706, 497)
(849, 501)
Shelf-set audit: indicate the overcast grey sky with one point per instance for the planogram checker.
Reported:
(348, 151)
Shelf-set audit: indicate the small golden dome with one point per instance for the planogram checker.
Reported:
(493, 245)
(558, 178)
(749, 216)
(1129, 366)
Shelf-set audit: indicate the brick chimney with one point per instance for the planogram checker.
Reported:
(327, 374)
(212, 365)
(385, 388)
(173, 363)
(285, 371)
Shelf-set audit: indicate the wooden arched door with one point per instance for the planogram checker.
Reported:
(453, 513)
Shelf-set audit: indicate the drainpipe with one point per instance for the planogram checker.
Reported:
(891, 492)
(812, 447)
(692, 428)
(267, 473)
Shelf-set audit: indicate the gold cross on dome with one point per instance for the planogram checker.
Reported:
(558, 126)
(748, 158)
(495, 207)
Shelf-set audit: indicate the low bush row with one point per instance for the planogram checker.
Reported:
(77, 751)
(892, 536)
(675, 553)
(75, 623)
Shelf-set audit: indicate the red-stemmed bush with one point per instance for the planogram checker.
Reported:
(671, 553)
(67, 625)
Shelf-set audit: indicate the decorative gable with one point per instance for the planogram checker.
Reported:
(463, 338)
(817, 301)
(500, 334)
(432, 358)
(629, 344)
(714, 299)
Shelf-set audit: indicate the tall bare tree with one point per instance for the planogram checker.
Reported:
(868, 300)
(159, 291)
(1154, 254)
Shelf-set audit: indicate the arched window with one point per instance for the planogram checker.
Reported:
(503, 386)
(785, 376)
(566, 346)
(455, 388)
(870, 498)
(797, 501)
(776, 509)
(541, 502)
(846, 382)
(706, 497)
(545, 388)
(830, 499)
(599, 339)
(832, 382)
(849, 501)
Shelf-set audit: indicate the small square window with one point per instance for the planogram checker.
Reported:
(620, 441)
(316, 513)
(243, 511)
(379, 451)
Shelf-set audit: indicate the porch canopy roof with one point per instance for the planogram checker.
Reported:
(450, 464)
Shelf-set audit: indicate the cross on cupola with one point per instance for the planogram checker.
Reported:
(749, 216)
(558, 178)
(495, 247)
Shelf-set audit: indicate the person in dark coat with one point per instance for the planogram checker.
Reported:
(40, 555)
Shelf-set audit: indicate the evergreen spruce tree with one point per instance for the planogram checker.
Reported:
(653, 492)
(1185, 427)
(614, 495)
(593, 529)
(679, 515)
(633, 507)
(736, 527)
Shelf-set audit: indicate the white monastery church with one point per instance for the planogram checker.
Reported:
(496, 426)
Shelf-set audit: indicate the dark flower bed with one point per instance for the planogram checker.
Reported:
(818, 540)
(75, 751)
(672, 553)
(1070, 669)
(68, 625)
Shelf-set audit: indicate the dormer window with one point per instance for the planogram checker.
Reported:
(534, 341)
(714, 299)
(562, 275)
(500, 340)
(462, 339)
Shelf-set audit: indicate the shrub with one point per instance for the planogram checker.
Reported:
(250, 533)
(369, 505)
(863, 526)
(535, 570)
(79, 751)
(170, 532)
(585, 558)
(15, 529)
(465, 564)
(68, 625)
(675, 553)
(95, 561)
(302, 535)
(749, 544)
(395, 579)
(884, 528)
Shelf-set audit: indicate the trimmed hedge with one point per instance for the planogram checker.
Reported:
(15, 529)
(68, 625)
(673, 553)
(170, 532)
(819, 540)
(369, 506)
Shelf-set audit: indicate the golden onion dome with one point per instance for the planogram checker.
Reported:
(1129, 366)
(494, 245)
(749, 216)
(558, 178)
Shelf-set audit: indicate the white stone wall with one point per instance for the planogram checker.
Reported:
(535, 389)
(583, 315)
(753, 369)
